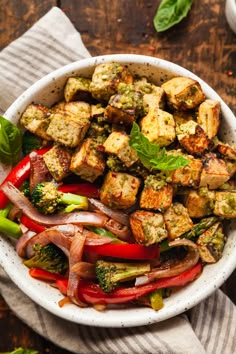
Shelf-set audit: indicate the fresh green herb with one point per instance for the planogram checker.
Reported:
(22, 351)
(10, 142)
(152, 155)
(171, 12)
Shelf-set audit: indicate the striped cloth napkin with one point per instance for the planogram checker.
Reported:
(210, 327)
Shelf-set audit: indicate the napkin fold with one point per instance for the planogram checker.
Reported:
(209, 328)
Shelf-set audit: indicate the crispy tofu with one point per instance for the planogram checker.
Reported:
(77, 109)
(77, 89)
(183, 93)
(158, 126)
(156, 199)
(97, 110)
(225, 204)
(211, 243)
(57, 160)
(87, 162)
(227, 151)
(147, 227)
(214, 172)
(182, 117)
(119, 190)
(106, 78)
(199, 203)
(117, 144)
(209, 117)
(193, 138)
(36, 119)
(188, 176)
(69, 127)
(177, 220)
(153, 96)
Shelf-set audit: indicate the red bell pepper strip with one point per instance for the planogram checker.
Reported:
(84, 189)
(32, 225)
(42, 274)
(125, 250)
(93, 294)
(19, 174)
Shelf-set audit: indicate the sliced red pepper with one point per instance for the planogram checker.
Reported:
(44, 275)
(32, 225)
(93, 294)
(18, 175)
(84, 189)
(125, 250)
(62, 285)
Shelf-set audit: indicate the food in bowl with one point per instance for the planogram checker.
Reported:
(142, 216)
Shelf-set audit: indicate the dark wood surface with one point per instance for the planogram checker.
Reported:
(202, 43)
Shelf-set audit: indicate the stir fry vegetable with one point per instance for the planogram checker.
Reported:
(127, 196)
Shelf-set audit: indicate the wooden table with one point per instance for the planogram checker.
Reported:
(202, 43)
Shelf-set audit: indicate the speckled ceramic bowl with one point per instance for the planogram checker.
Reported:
(48, 91)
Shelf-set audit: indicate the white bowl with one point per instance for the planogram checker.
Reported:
(230, 13)
(48, 91)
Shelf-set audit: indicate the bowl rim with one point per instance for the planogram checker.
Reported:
(141, 316)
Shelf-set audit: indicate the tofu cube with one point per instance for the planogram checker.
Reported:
(182, 117)
(77, 109)
(214, 172)
(106, 78)
(177, 220)
(199, 203)
(193, 138)
(209, 117)
(227, 151)
(156, 194)
(87, 162)
(147, 227)
(68, 128)
(158, 126)
(36, 119)
(225, 204)
(58, 160)
(183, 93)
(119, 190)
(188, 176)
(211, 243)
(117, 144)
(77, 89)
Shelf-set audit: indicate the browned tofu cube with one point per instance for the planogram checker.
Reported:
(225, 204)
(214, 172)
(117, 115)
(199, 203)
(147, 227)
(87, 162)
(177, 220)
(156, 195)
(78, 110)
(119, 190)
(182, 117)
(77, 89)
(67, 129)
(183, 93)
(188, 176)
(193, 138)
(117, 144)
(36, 119)
(106, 78)
(209, 117)
(57, 160)
(158, 127)
(227, 151)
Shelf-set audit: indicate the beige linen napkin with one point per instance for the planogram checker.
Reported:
(208, 328)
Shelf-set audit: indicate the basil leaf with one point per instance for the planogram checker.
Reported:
(152, 155)
(10, 142)
(171, 12)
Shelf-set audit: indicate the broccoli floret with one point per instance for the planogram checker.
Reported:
(47, 199)
(110, 274)
(25, 188)
(49, 257)
(30, 142)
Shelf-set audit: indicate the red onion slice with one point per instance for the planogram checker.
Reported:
(117, 215)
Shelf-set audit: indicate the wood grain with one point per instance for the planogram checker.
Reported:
(202, 43)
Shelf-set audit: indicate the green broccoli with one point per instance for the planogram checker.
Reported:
(110, 274)
(30, 142)
(47, 199)
(25, 188)
(49, 257)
